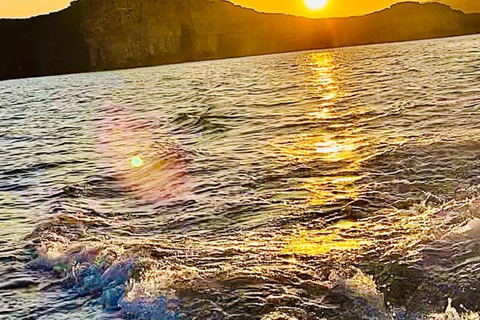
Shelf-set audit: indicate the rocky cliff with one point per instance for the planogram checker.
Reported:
(94, 35)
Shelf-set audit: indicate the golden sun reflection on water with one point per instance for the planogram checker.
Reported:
(328, 190)
(336, 145)
(322, 66)
(306, 242)
(336, 150)
(343, 157)
(324, 113)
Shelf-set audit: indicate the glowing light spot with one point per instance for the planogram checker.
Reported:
(316, 4)
(328, 147)
(136, 162)
(329, 96)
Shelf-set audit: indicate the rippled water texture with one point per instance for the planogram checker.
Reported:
(338, 184)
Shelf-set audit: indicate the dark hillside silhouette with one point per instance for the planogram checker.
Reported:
(94, 35)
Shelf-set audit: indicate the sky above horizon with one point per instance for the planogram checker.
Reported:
(28, 8)
(333, 8)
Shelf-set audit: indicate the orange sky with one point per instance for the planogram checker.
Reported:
(334, 8)
(26, 8)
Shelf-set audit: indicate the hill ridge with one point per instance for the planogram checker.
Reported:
(95, 35)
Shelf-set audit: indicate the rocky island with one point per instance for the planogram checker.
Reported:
(95, 35)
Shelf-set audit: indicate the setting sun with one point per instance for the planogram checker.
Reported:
(316, 4)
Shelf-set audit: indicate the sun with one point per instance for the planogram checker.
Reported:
(316, 4)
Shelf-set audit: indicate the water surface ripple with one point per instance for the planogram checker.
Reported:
(339, 184)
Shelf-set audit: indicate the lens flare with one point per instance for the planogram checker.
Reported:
(142, 162)
(136, 162)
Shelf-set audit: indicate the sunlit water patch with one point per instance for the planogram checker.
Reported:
(336, 184)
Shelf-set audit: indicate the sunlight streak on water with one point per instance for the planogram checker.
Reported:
(304, 243)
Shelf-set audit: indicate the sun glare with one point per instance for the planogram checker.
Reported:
(316, 4)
